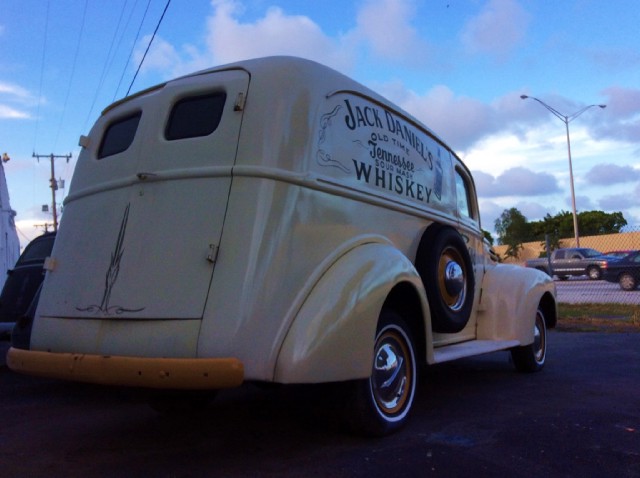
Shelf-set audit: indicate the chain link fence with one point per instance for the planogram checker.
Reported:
(581, 289)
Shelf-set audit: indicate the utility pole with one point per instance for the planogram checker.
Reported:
(54, 183)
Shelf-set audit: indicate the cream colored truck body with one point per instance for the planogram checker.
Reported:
(266, 249)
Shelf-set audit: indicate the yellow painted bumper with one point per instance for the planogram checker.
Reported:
(160, 373)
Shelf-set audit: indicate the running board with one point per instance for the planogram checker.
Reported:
(447, 353)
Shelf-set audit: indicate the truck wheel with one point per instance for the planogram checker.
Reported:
(530, 358)
(627, 281)
(380, 404)
(594, 272)
(446, 270)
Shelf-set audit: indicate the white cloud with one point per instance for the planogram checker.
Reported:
(533, 211)
(607, 174)
(7, 112)
(518, 181)
(497, 30)
(274, 34)
(161, 56)
(383, 25)
(623, 114)
(617, 202)
(459, 120)
(14, 91)
(13, 101)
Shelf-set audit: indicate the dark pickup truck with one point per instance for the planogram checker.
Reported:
(577, 261)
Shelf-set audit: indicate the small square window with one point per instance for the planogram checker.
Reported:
(195, 116)
(119, 136)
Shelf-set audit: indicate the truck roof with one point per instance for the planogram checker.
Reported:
(290, 79)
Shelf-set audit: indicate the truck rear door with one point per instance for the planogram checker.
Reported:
(145, 213)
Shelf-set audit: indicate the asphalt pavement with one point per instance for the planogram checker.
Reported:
(577, 290)
(579, 417)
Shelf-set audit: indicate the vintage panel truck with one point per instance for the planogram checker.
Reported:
(273, 220)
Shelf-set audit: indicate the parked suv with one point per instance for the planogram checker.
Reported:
(23, 281)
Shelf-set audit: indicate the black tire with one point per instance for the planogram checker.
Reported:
(594, 272)
(627, 281)
(445, 267)
(531, 358)
(380, 404)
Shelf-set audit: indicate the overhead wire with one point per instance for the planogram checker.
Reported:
(42, 63)
(148, 46)
(104, 68)
(73, 72)
(122, 33)
(133, 46)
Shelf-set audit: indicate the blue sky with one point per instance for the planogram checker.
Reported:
(459, 66)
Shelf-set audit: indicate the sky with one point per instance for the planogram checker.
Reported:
(459, 66)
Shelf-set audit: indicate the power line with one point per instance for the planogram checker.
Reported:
(104, 68)
(73, 72)
(148, 46)
(44, 51)
(133, 46)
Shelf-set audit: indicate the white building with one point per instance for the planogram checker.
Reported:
(9, 243)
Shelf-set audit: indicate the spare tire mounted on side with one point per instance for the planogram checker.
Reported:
(444, 264)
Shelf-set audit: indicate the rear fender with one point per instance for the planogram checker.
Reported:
(332, 336)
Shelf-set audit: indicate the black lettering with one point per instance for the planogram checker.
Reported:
(409, 189)
(378, 121)
(391, 126)
(362, 170)
(350, 120)
(381, 178)
(373, 145)
(398, 188)
(360, 117)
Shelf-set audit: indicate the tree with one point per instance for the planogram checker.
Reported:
(590, 223)
(513, 229)
(594, 223)
(487, 235)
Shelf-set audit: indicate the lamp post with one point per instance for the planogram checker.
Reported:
(566, 120)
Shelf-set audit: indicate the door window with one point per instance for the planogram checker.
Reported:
(462, 194)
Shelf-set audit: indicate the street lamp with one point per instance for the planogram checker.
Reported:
(566, 120)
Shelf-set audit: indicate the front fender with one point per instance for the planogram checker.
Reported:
(510, 297)
(332, 336)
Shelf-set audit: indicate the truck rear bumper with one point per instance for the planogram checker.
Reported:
(157, 373)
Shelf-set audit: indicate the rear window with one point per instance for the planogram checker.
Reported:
(37, 250)
(119, 136)
(195, 116)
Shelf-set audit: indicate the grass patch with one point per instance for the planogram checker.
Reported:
(598, 318)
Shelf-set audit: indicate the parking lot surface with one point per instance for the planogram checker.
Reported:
(579, 290)
(475, 417)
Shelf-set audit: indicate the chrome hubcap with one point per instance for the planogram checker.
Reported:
(452, 278)
(391, 375)
(539, 338)
(627, 282)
